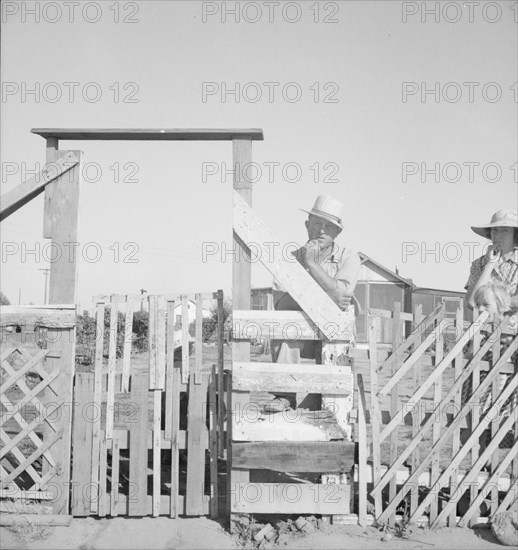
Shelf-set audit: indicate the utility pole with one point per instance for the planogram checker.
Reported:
(46, 272)
(142, 292)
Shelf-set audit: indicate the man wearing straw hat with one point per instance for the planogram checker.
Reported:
(334, 268)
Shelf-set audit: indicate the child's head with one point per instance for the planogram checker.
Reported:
(493, 298)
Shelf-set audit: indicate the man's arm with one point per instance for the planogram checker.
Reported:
(341, 288)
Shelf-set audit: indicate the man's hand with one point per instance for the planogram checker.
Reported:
(341, 297)
(310, 252)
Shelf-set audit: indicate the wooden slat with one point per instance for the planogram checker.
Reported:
(15, 198)
(82, 445)
(138, 446)
(51, 148)
(213, 445)
(496, 423)
(157, 459)
(31, 316)
(96, 421)
(50, 520)
(152, 337)
(279, 325)
(220, 376)
(103, 467)
(436, 427)
(440, 368)
(128, 335)
(510, 497)
(114, 500)
(312, 298)
(284, 377)
(293, 456)
(362, 452)
(375, 417)
(160, 343)
(299, 425)
(290, 498)
(112, 362)
(185, 340)
(386, 314)
(195, 449)
(198, 347)
(170, 400)
(151, 134)
(417, 416)
(98, 298)
(174, 508)
(457, 401)
(475, 414)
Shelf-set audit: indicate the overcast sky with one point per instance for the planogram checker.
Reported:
(407, 115)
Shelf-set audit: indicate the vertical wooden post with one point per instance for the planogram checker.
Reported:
(416, 416)
(64, 215)
(459, 331)
(362, 453)
(436, 428)
(496, 389)
(51, 151)
(221, 390)
(82, 444)
(241, 284)
(375, 414)
(394, 399)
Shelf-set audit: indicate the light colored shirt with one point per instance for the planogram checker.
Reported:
(334, 265)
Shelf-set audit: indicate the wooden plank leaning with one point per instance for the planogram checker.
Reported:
(14, 199)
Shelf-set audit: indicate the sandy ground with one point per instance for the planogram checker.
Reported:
(201, 533)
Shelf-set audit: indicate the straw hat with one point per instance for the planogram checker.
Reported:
(502, 218)
(328, 208)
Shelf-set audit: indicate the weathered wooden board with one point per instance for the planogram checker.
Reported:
(290, 456)
(281, 377)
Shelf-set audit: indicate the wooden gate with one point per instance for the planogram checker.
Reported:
(149, 440)
(442, 405)
(37, 364)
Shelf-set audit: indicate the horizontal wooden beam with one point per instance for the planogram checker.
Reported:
(14, 199)
(277, 325)
(251, 424)
(106, 298)
(386, 314)
(280, 377)
(29, 316)
(290, 456)
(151, 134)
(51, 520)
(289, 498)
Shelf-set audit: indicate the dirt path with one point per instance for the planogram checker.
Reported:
(201, 533)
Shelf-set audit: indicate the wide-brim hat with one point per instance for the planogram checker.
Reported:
(502, 218)
(328, 208)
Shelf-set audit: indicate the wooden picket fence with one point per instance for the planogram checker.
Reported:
(133, 453)
(434, 426)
